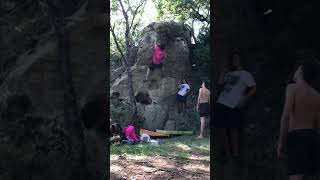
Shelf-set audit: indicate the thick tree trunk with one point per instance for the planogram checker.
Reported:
(128, 69)
(128, 51)
(131, 91)
(73, 124)
(76, 150)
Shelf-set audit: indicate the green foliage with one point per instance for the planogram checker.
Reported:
(119, 24)
(201, 53)
(115, 56)
(121, 114)
(183, 10)
(192, 121)
(119, 111)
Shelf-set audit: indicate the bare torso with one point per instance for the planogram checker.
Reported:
(306, 108)
(204, 95)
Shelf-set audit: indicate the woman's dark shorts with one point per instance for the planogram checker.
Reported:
(225, 117)
(181, 98)
(303, 152)
(204, 109)
(153, 66)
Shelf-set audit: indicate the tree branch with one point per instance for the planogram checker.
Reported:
(117, 44)
(127, 32)
(136, 25)
(135, 12)
(192, 32)
(129, 6)
(202, 17)
(125, 13)
(122, 6)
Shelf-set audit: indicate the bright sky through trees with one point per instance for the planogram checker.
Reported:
(149, 15)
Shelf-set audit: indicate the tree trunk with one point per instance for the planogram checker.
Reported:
(131, 91)
(125, 58)
(73, 124)
(128, 49)
(192, 33)
(128, 67)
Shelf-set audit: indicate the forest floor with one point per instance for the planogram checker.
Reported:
(182, 157)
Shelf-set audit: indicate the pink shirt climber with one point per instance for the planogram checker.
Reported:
(158, 54)
(130, 133)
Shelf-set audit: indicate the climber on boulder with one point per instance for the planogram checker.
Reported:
(158, 55)
(184, 89)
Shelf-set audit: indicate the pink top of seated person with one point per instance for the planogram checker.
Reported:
(130, 133)
(158, 54)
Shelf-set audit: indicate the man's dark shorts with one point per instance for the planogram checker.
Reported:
(303, 152)
(204, 109)
(153, 66)
(226, 117)
(181, 98)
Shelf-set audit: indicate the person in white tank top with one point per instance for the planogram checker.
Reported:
(183, 91)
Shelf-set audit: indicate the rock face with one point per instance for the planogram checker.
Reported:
(32, 100)
(156, 98)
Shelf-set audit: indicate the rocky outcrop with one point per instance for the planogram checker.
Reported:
(156, 98)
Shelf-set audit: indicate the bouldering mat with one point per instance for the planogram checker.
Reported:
(174, 132)
(154, 134)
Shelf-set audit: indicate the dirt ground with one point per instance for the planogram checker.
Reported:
(142, 167)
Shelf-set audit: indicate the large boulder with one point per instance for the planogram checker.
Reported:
(156, 98)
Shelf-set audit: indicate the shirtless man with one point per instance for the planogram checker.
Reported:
(300, 123)
(203, 105)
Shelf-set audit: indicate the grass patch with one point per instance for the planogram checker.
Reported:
(180, 147)
(181, 155)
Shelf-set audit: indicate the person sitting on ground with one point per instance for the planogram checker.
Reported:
(300, 123)
(115, 132)
(158, 55)
(130, 134)
(238, 86)
(184, 89)
(203, 105)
